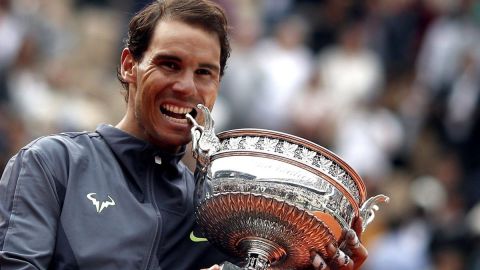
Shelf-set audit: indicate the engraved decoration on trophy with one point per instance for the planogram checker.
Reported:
(273, 197)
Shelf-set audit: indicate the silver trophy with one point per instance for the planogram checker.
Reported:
(271, 197)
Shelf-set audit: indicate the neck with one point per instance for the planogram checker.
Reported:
(126, 125)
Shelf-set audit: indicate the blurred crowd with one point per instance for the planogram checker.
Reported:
(391, 86)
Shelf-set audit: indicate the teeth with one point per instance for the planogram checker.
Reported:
(177, 120)
(176, 109)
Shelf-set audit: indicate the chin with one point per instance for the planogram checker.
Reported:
(171, 141)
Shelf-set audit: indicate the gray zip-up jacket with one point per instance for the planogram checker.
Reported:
(99, 200)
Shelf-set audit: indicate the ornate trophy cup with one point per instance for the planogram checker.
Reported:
(271, 197)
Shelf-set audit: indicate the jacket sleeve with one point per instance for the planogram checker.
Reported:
(29, 210)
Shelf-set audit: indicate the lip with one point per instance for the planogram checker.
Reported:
(176, 109)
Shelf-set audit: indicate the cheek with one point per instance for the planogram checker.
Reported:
(210, 100)
(150, 81)
(209, 96)
(146, 104)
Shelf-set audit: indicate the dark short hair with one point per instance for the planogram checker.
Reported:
(202, 13)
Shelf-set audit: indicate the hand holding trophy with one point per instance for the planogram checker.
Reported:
(274, 198)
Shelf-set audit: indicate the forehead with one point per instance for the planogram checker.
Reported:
(177, 35)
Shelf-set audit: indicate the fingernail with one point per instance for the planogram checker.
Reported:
(318, 262)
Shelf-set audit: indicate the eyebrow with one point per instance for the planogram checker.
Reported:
(170, 57)
(163, 57)
(215, 68)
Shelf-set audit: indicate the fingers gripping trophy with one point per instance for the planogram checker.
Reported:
(273, 198)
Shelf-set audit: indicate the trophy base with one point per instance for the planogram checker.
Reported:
(267, 232)
(261, 252)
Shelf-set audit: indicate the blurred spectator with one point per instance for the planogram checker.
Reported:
(463, 100)
(55, 70)
(443, 50)
(47, 95)
(310, 116)
(392, 86)
(274, 12)
(12, 135)
(244, 80)
(11, 29)
(350, 74)
(326, 18)
(11, 128)
(473, 223)
(369, 140)
(402, 248)
(285, 63)
(395, 28)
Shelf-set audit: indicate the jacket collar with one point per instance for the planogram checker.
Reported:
(134, 152)
(137, 156)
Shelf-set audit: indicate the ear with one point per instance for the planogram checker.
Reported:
(128, 68)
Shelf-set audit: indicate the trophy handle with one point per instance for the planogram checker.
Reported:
(204, 144)
(367, 211)
(204, 141)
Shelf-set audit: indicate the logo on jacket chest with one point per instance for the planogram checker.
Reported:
(100, 205)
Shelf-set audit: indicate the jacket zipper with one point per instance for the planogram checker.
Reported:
(155, 242)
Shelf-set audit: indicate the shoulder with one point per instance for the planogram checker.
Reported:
(63, 149)
(62, 142)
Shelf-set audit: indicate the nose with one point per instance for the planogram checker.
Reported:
(184, 83)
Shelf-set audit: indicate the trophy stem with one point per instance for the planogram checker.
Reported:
(256, 262)
(261, 252)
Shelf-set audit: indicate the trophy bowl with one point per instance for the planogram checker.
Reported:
(272, 197)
